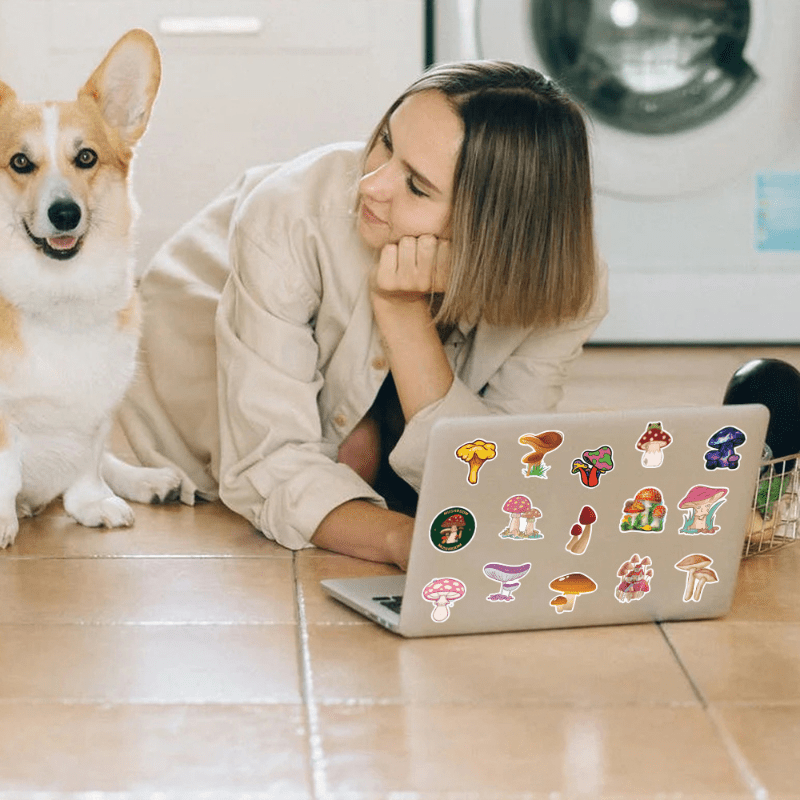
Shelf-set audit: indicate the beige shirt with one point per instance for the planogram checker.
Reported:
(260, 353)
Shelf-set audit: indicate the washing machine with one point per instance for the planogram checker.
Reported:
(694, 118)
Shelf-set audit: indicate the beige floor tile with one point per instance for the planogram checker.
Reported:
(768, 738)
(150, 663)
(768, 589)
(72, 748)
(752, 662)
(314, 566)
(106, 590)
(204, 529)
(505, 749)
(591, 666)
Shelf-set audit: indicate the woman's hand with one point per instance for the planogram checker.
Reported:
(414, 268)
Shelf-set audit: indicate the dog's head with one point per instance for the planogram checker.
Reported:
(64, 167)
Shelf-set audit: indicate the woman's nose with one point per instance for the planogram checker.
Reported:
(378, 183)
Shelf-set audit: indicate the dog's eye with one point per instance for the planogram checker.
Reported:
(86, 158)
(21, 163)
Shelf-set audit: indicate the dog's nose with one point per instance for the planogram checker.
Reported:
(64, 214)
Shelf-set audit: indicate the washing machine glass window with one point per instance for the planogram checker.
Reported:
(647, 66)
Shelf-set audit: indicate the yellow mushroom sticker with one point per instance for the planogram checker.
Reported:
(476, 454)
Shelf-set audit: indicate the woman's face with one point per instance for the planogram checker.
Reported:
(407, 188)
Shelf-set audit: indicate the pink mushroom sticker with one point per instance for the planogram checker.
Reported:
(443, 592)
(508, 576)
(702, 504)
(522, 518)
(635, 574)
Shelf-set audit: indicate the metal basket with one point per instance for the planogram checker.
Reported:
(775, 514)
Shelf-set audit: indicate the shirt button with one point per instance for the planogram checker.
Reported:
(340, 420)
(379, 363)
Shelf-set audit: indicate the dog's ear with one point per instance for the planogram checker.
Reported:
(126, 83)
(6, 93)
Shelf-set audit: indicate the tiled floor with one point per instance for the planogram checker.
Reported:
(189, 657)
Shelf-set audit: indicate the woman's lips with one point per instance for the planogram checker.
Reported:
(369, 216)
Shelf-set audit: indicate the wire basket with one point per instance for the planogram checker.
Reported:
(775, 515)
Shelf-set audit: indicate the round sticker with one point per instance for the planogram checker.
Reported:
(452, 529)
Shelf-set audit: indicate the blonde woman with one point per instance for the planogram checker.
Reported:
(303, 333)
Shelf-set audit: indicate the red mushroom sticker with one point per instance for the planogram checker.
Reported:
(541, 444)
(652, 443)
(698, 573)
(476, 454)
(702, 503)
(508, 576)
(452, 529)
(581, 532)
(593, 464)
(443, 592)
(635, 574)
(569, 587)
(645, 512)
(522, 518)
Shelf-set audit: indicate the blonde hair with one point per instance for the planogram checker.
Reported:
(522, 232)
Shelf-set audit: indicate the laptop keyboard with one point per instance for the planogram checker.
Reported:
(393, 602)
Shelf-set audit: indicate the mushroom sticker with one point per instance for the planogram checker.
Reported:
(522, 518)
(645, 512)
(443, 592)
(508, 577)
(636, 574)
(652, 443)
(569, 587)
(593, 464)
(581, 532)
(476, 454)
(702, 503)
(540, 444)
(452, 529)
(724, 443)
(698, 573)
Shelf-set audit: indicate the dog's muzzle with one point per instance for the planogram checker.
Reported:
(65, 216)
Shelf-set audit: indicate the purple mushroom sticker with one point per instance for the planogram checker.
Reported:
(508, 577)
(593, 464)
(724, 443)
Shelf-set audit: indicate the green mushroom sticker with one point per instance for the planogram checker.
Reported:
(452, 529)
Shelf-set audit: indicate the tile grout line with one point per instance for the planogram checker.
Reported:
(316, 754)
(746, 772)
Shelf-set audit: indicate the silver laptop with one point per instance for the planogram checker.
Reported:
(566, 520)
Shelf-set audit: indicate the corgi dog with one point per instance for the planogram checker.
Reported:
(69, 311)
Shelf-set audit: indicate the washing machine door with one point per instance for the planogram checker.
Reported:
(683, 94)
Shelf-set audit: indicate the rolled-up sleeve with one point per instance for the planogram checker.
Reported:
(275, 467)
(527, 379)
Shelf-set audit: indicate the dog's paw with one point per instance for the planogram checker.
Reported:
(108, 512)
(142, 484)
(9, 526)
(151, 485)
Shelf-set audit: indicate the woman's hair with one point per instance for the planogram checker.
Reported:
(521, 226)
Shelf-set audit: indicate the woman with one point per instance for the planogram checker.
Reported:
(312, 323)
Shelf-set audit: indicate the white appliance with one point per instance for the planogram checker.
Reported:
(694, 112)
(245, 82)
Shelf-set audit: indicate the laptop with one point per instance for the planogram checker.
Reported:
(566, 520)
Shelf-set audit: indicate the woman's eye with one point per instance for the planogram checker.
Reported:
(413, 188)
(86, 158)
(386, 141)
(21, 164)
